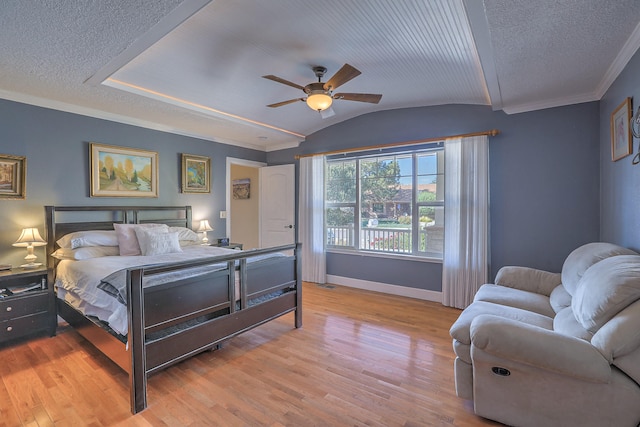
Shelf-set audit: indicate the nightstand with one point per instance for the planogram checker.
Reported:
(27, 303)
(237, 246)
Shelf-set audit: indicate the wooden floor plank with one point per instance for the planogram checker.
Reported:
(360, 359)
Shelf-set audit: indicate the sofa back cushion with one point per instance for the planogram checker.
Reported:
(584, 257)
(619, 337)
(606, 288)
(565, 323)
(559, 299)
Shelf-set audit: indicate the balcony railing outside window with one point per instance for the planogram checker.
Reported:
(388, 240)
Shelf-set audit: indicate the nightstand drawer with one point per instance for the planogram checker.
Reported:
(16, 328)
(13, 307)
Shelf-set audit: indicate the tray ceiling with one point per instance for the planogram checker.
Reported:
(194, 67)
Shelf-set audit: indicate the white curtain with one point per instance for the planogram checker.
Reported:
(466, 224)
(311, 219)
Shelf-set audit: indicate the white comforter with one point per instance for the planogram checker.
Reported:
(77, 281)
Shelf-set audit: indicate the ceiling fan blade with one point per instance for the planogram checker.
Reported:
(283, 81)
(360, 97)
(344, 74)
(280, 104)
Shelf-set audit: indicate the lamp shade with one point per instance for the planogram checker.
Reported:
(29, 237)
(319, 100)
(204, 226)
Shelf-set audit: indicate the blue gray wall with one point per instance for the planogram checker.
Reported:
(544, 176)
(56, 145)
(620, 180)
(544, 182)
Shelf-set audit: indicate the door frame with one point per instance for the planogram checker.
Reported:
(239, 162)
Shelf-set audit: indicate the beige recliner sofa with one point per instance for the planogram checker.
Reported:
(550, 349)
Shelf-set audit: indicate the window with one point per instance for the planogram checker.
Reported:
(392, 203)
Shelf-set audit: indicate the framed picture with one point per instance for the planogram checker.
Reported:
(13, 172)
(621, 131)
(123, 172)
(241, 188)
(196, 174)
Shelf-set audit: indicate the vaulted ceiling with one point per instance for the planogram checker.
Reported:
(195, 67)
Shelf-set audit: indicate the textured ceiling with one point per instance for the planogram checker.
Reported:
(194, 67)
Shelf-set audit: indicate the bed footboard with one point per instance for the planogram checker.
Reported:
(267, 288)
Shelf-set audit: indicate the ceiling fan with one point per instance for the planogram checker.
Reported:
(320, 95)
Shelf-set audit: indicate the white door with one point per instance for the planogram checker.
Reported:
(277, 205)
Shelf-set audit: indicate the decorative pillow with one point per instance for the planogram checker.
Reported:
(153, 243)
(185, 234)
(86, 253)
(80, 239)
(606, 288)
(127, 239)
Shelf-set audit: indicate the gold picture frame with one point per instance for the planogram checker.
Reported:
(196, 174)
(621, 141)
(123, 171)
(13, 173)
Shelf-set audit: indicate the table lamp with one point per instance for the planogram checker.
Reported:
(204, 228)
(29, 238)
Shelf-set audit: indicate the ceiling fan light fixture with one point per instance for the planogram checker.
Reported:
(319, 100)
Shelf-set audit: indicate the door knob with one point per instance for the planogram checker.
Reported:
(288, 226)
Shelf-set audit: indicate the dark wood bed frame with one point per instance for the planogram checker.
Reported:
(160, 308)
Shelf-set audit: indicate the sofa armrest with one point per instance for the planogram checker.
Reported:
(528, 279)
(521, 343)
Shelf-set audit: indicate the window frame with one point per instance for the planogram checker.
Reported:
(356, 206)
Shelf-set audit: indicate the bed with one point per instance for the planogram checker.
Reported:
(173, 308)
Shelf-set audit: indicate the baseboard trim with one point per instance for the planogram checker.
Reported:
(386, 288)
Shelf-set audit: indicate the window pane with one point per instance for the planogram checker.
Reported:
(431, 176)
(431, 230)
(341, 182)
(340, 226)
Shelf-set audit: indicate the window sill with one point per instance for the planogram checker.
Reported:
(384, 255)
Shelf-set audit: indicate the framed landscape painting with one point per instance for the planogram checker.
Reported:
(196, 174)
(621, 131)
(13, 172)
(123, 172)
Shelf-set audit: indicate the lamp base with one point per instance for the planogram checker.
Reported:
(31, 265)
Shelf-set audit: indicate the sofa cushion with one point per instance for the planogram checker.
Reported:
(584, 257)
(565, 323)
(460, 329)
(559, 299)
(517, 298)
(606, 288)
(620, 335)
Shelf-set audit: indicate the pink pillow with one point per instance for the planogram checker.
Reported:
(127, 239)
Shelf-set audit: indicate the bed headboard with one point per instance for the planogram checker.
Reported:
(61, 220)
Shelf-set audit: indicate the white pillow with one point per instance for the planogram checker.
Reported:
(86, 253)
(80, 239)
(154, 243)
(127, 239)
(185, 234)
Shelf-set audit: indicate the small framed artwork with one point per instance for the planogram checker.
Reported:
(196, 174)
(621, 142)
(13, 172)
(241, 188)
(123, 172)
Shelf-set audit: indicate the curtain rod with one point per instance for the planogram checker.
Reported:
(492, 132)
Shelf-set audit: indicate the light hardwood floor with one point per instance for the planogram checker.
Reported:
(360, 359)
